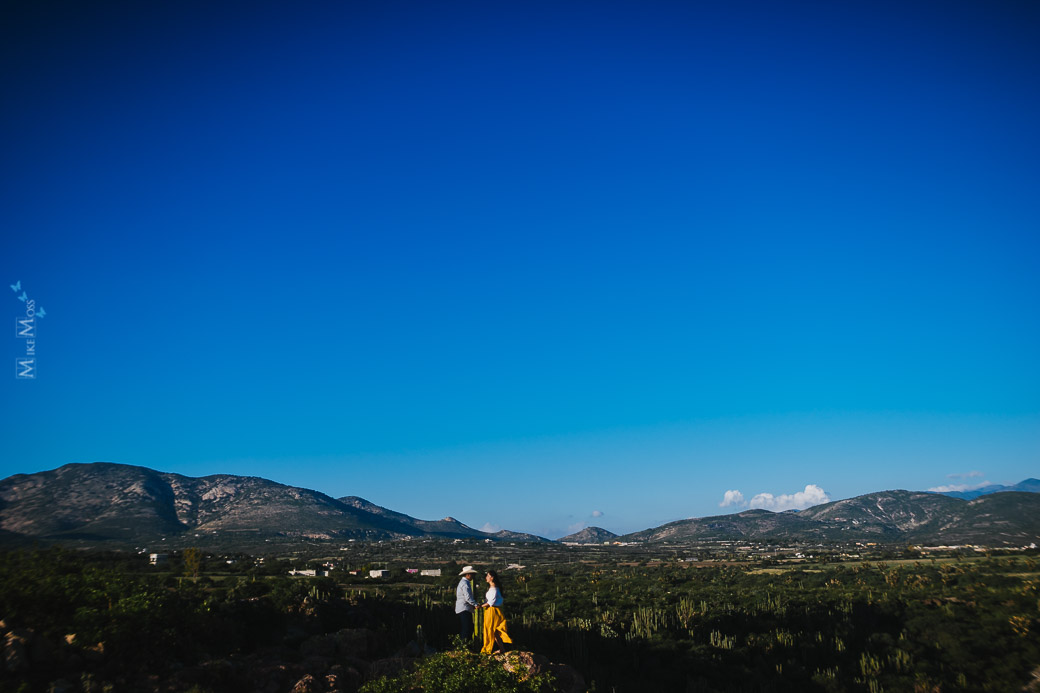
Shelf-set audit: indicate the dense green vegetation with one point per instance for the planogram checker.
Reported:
(927, 625)
(872, 627)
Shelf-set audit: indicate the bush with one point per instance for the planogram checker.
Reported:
(461, 672)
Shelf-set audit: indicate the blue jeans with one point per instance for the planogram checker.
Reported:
(466, 625)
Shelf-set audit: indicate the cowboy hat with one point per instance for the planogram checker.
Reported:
(469, 569)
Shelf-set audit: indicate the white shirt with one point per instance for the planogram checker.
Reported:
(493, 597)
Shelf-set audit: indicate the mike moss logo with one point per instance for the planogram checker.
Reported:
(25, 328)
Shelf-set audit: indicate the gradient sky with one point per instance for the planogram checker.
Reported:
(535, 265)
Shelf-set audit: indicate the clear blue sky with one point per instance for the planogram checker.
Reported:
(534, 265)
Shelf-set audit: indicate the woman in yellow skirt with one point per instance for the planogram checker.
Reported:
(494, 619)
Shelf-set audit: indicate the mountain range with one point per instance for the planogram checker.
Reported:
(1027, 486)
(104, 502)
(998, 519)
(115, 504)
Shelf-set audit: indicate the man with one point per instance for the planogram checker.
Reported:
(465, 604)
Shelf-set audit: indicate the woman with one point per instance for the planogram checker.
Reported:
(494, 619)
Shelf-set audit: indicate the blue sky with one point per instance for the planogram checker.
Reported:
(534, 265)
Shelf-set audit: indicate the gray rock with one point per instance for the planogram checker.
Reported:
(308, 684)
(16, 654)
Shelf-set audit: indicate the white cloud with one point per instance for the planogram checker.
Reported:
(958, 487)
(733, 497)
(597, 513)
(810, 496)
(490, 528)
(969, 475)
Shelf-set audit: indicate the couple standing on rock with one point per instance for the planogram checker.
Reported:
(494, 620)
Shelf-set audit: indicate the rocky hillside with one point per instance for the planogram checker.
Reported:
(589, 535)
(750, 525)
(886, 512)
(999, 519)
(102, 502)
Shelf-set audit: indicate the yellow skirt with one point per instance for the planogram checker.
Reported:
(494, 629)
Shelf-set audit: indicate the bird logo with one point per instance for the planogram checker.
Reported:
(23, 296)
(17, 286)
(41, 312)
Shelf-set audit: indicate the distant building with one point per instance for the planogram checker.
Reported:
(304, 573)
(412, 571)
(431, 572)
(158, 558)
(378, 573)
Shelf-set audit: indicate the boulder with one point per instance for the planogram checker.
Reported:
(566, 679)
(341, 679)
(308, 684)
(16, 651)
(1033, 685)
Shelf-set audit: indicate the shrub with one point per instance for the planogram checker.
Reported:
(461, 672)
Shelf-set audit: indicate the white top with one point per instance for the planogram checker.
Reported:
(493, 597)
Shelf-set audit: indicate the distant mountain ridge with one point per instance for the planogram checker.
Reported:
(1006, 518)
(449, 527)
(106, 502)
(109, 504)
(1027, 486)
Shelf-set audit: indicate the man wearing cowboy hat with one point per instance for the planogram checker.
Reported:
(465, 604)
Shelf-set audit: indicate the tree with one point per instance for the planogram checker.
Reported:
(192, 562)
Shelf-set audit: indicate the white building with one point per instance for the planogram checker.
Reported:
(379, 573)
(431, 572)
(158, 558)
